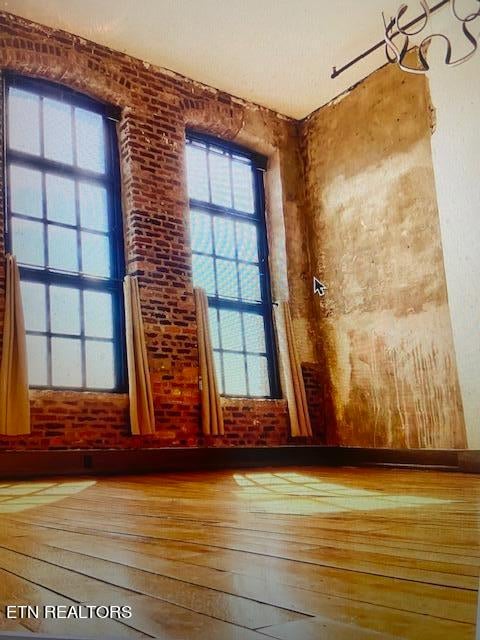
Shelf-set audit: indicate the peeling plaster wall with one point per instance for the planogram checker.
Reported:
(384, 325)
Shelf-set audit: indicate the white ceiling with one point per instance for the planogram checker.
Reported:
(278, 53)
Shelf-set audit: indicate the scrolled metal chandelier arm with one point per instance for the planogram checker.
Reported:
(403, 9)
(394, 29)
(468, 18)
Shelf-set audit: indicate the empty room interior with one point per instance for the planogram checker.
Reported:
(239, 319)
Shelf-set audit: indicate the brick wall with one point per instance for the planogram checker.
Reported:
(156, 107)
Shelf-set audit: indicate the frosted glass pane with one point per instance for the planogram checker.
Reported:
(197, 173)
(34, 305)
(100, 365)
(247, 241)
(57, 131)
(213, 323)
(254, 332)
(243, 187)
(203, 274)
(93, 206)
(65, 310)
(60, 199)
(200, 232)
(250, 282)
(224, 233)
(62, 248)
(235, 379)
(24, 121)
(28, 244)
(258, 382)
(66, 362)
(26, 191)
(37, 361)
(220, 180)
(90, 140)
(227, 278)
(217, 359)
(98, 314)
(95, 254)
(231, 329)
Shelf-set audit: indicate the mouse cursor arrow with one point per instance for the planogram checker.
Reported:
(318, 287)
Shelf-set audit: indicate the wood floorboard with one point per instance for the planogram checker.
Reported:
(339, 553)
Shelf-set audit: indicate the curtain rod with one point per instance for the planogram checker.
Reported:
(336, 72)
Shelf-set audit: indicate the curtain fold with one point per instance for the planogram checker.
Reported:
(211, 409)
(142, 416)
(292, 373)
(14, 401)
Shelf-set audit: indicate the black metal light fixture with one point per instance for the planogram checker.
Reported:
(396, 31)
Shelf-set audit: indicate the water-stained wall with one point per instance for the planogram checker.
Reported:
(384, 325)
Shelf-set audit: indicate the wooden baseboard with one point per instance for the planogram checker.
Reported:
(27, 464)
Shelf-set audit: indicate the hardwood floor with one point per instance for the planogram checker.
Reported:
(293, 554)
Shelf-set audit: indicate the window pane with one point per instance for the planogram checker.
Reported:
(26, 191)
(62, 248)
(98, 312)
(220, 180)
(203, 274)
(254, 332)
(60, 199)
(227, 278)
(100, 365)
(37, 361)
(217, 359)
(243, 187)
(247, 241)
(34, 306)
(61, 219)
(95, 254)
(197, 173)
(250, 282)
(90, 140)
(66, 362)
(231, 329)
(201, 232)
(258, 382)
(24, 121)
(57, 131)
(235, 379)
(213, 323)
(64, 310)
(224, 233)
(93, 206)
(28, 244)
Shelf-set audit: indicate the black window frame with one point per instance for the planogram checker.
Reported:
(111, 181)
(265, 307)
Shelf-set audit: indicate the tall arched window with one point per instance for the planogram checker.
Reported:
(230, 261)
(65, 228)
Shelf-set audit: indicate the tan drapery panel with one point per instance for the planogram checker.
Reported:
(142, 417)
(212, 416)
(292, 373)
(14, 402)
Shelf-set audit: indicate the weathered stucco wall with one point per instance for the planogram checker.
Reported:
(384, 324)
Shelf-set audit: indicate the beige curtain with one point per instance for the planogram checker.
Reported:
(292, 373)
(142, 417)
(14, 403)
(212, 416)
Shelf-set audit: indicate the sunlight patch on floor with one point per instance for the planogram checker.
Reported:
(19, 496)
(299, 494)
